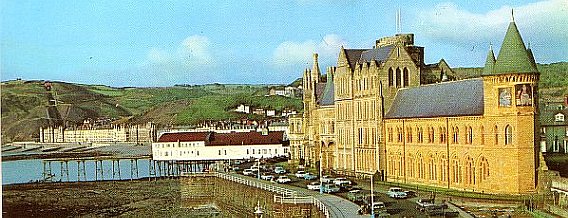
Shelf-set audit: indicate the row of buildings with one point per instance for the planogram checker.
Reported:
(384, 110)
(131, 133)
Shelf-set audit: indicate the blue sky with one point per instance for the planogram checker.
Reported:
(162, 43)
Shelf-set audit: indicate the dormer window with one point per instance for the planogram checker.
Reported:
(559, 117)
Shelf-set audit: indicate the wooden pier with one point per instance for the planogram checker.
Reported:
(156, 168)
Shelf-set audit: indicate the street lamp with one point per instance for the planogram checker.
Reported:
(372, 198)
(258, 211)
(258, 168)
(320, 170)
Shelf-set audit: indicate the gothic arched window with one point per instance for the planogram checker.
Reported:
(398, 77)
(508, 135)
(390, 77)
(405, 77)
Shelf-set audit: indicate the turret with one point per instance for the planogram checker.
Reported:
(316, 74)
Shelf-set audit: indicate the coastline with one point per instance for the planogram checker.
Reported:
(141, 197)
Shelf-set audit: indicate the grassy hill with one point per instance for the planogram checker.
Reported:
(24, 104)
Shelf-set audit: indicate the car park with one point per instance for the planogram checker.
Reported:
(283, 179)
(309, 176)
(300, 174)
(396, 192)
(341, 182)
(329, 188)
(279, 170)
(313, 186)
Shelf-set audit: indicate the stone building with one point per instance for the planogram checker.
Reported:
(377, 112)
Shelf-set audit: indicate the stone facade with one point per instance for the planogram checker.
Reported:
(475, 135)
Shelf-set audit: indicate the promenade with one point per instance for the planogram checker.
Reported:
(337, 207)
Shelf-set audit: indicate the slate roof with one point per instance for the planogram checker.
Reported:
(320, 87)
(353, 55)
(548, 113)
(328, 92)
(221, 139)
(378, 54)
(456, 98)
(513, 55)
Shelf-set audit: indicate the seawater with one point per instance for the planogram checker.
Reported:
(27, 171)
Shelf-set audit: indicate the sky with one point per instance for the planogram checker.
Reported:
(163, 43)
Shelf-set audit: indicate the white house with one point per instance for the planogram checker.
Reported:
(220, 146)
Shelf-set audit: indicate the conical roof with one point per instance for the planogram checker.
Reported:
(513, 56)
(489, 63)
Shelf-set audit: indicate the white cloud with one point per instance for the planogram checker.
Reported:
(448, 22)
(194, 51)
(291, 53)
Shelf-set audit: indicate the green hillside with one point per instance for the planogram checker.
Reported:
(24, 104)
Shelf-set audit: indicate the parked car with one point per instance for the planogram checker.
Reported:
(341, 181)
(279, 170)
(396, 192)
(313, 186)
(357, 196)
(267, 177)
(422, 203)
(283, 179)
(249, 172)
(329, 188)
(309, 176)
(410, 194)
(300, 174)
(327, 179)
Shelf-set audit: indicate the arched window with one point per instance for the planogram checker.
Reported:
(432, 167)
(398, 77)
(470, 171)
(420, 166)
(390, 77)
(508, 135)
(431, 135)
(443, 168)
(483, 169)
(405, 77)
(455, 170)
(469, 135)
(409, 134)
(482, 135)
(496, 132)
(410, 166)
(442, 135)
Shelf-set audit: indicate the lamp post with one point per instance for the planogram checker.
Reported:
(258, 168)
(258, 211)
(320, 170)
(372, 198)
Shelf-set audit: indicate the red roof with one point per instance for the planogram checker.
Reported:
(184, 136)
(220, 139)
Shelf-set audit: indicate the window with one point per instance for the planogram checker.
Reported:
(482, 135)
(398, 77)
(405, 77)
(442, 134)
(469, 135)
(390, 77)
(455, 134)
(219, 152)
(409, 134)
(247, 151)
(483, 169)
(496, 132)
(390, 135)
(508, 135)
(559, 117)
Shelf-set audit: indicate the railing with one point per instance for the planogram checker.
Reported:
(287, 196)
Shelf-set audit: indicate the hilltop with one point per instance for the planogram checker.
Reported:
(24, 104)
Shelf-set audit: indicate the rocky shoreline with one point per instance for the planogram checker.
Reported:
(160, 198)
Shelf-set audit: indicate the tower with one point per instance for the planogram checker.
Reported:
(510, 106)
